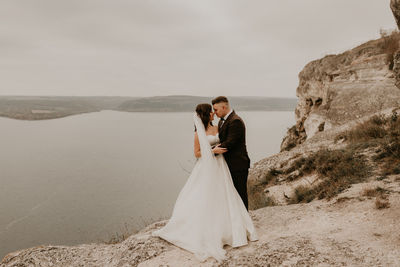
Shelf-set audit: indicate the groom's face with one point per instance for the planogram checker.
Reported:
(220, 109)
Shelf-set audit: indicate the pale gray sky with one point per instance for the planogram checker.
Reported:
(164, 47)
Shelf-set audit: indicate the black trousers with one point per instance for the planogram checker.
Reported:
(240, 181)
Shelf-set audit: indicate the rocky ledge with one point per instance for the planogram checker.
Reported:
(347, 230)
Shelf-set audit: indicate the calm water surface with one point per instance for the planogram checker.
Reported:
(89, 177)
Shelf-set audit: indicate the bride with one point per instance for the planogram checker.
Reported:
(208, 212)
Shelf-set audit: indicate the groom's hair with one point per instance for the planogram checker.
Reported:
(220, 99)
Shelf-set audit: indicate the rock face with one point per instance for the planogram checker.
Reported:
(340, 88)
(395, 6)
(335, 94)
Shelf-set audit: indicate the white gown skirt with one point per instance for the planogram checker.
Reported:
(208, 214)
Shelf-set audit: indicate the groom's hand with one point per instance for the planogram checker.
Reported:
(219, 150)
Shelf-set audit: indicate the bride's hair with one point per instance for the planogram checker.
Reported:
(204, 110)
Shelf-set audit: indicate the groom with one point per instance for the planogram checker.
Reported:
(232, 135)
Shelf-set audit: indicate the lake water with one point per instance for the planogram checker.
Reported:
(90, 177)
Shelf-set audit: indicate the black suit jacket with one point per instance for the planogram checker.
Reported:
(232, 135)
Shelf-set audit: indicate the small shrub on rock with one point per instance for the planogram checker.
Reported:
(381, 203)
(382, 133)
(338, 169)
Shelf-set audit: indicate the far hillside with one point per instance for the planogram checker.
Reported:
(188, 103)
(51, 107)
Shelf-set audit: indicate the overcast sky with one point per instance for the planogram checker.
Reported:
(164, 47)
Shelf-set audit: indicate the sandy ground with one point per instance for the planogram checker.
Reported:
(345, 231)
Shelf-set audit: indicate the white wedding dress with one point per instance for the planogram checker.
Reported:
(208, 212)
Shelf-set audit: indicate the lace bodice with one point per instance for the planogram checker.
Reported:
(213, 139)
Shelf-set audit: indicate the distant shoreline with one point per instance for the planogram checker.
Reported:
(47, 117)
(53, 107)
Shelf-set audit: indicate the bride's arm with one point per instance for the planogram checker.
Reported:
(197, 152)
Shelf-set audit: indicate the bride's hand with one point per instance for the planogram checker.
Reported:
(219, 150)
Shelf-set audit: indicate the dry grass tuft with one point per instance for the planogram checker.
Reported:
(123, 234)
(366, 131)
(381, 203)
(302, 194)
(381, 133)
(373, 192)
(338, 169)
(343, 199)
(381, 195)
(120, 236)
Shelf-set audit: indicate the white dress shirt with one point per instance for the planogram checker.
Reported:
(226, 116)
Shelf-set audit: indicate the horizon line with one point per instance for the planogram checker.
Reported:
(142, 96)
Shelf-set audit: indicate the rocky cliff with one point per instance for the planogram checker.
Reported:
(395, 6)
(347, 118)
(338, 89)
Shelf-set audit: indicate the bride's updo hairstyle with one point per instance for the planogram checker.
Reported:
(204, 110)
